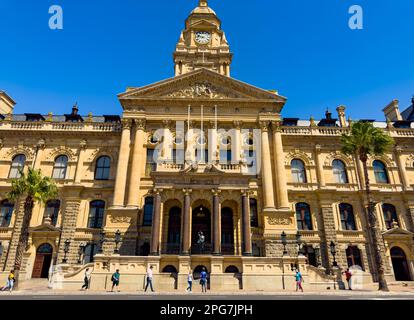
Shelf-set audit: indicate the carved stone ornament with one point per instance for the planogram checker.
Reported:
(121, 219)
(203, 89)
(279, 221)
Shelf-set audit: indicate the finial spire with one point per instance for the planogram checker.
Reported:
(202, 3)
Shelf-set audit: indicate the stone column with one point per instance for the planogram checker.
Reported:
(237, 144)
(328, 235)
(122, 168)
(156, 224)
(79, 164)
(279, 158)
(401, 168)
(319, 166)
(246, 228)
(410, 215)
(166, 143)
(185, 249)
(40, 147)
(212, 143)
(136, 166)
(341, 116)
(360, 172)
(267, 177)
(216, 224)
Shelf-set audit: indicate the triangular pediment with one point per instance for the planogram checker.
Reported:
(398, 232)
(45, 228)
(203, 23)
(202, 84)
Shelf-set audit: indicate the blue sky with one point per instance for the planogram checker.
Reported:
(304, 49)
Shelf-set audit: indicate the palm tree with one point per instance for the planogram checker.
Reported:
(364, 140)
(34, 187)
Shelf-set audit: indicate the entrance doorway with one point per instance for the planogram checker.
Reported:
(42, 261)
(400, 265)
(201, 223)
(227, 232)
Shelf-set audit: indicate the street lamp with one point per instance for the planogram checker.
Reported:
(317, 255)
(81, 251)
(299, 242)
(333, 253)
(117, 241)
(66, 250)
(101, 241)
(284, 242)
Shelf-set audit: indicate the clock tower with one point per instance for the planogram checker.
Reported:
(202, 43)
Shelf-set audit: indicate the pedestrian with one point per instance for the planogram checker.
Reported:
(299, 280)
(115, 280)
(86, 279)
(203, 280)
(348, 276)
(10, 282)
(149, 279)
(190, 281)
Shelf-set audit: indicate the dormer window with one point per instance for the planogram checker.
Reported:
(34, 117)
(112, 118)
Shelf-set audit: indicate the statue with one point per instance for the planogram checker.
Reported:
(201, 240)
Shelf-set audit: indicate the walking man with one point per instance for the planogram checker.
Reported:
(115, 280)
(203, 280)
(348, 276)
(149, 279)
(86, 279)
(190, 281)
(299, 280)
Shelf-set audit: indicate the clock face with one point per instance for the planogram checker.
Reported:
(202, 37)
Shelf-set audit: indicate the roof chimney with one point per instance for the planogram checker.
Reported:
(328, 115)
(75, 109)
(341, 115)
(392, 111)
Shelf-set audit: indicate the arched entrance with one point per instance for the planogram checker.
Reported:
(174, 231)
(227, 231)
(42, 261)
(201, 222)
(400, 265)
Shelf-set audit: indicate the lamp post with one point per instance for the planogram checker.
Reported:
(117, 241)
(333, 253)
(284, 242)
(318, 257)
(299, 242)
(66, 250)
(101, 241)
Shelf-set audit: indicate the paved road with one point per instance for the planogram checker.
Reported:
(207, 297)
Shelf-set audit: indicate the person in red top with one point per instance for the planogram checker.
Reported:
(348, 276)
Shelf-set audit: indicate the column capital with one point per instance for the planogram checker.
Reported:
(215, 192)
(212, 124)
(157, 191)
(187, 192)
(398, 149)
(83, 144)
(237, 124)
(140, 124)
(246, 192)
(41, 144)
(264, 126)
(126, 124)
(276, 126)
(318, 147)
(167, 124)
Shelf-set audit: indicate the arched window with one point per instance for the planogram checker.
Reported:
(60, 167)
(298, 171)
(17, 166)
(390, 215)
(303, 216)
(1, 249)
(6, 211)
(103, 167)
(96, 214)
(174, 228)
(169, 269)
(353, 257)
(347, 217)
(254, 218)
(339, 171)
(52, 211)
(310, 254)
(148, 210)
(231, 269)
(380, 171)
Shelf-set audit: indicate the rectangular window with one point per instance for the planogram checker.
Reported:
(148, 211)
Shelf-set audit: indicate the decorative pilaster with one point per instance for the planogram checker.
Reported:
(319, 166)
(212, 143)
(269, 201)
(246, 228)
(237, 143)
(40, 147)
(156, 224)
(136, 166)
(401, 168)
(329, 234)
(122, 168)
(216, 223)
(81, 154)
(185, 249)
(281, 181)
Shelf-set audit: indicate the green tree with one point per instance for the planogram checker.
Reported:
(364, 140)
(34, 187)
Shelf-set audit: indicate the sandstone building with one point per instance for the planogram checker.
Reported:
(137, 189)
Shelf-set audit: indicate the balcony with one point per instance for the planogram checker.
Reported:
(60, 126)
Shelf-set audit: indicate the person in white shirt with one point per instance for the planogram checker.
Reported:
(149, 279)
(86, 279)
(190, 281)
